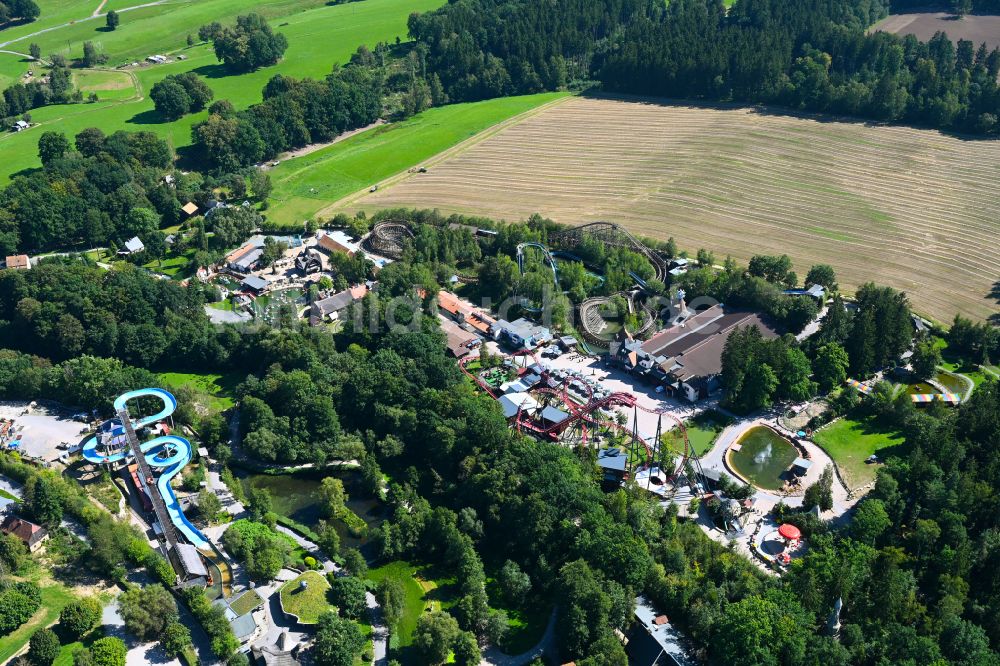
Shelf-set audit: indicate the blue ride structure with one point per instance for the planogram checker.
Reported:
(116, 441)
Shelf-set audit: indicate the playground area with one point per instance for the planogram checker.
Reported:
(778, 546)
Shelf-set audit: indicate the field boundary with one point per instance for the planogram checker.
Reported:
(741, 180)
(448, 153)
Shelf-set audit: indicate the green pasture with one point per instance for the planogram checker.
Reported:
(108, 84)
(414, 603)
(305, 185)
(318, 38)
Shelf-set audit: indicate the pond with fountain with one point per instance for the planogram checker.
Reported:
(762, 457)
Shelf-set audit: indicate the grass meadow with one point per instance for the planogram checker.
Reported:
(319, 37)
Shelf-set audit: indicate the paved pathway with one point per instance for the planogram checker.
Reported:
(546, 645)
(715, 459)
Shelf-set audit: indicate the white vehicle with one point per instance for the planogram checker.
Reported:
(74, 448)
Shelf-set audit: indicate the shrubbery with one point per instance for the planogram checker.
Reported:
(18, 603)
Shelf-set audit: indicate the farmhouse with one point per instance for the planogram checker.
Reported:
(460, 342)
(336, 241)
(19, 126)
(19, 262)
(687, 358)
(32, 535)
(309, 261)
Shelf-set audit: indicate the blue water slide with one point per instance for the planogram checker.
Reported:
(168, 453)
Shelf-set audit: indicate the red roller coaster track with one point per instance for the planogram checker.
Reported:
(585, 414)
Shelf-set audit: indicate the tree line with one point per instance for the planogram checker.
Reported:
(814, 55)
(294, 113)
(18, 10)
(54, 88)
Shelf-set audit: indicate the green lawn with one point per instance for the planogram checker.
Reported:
(851, 441)
(525, 624)
(109, 85)
(177, 266)
(65, 657)
(220, 388)
(414, 604)
(319, 36)
(246, 602)
(305, 185)
(306, 603)
(54, 597)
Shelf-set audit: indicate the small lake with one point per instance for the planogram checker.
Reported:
(951, 383)
(763, 458)
(295, 496)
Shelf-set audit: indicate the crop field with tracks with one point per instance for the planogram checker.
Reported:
(910, 208)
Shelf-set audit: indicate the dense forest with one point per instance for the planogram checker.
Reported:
(62, 310)
(812, 55)
(18, 10)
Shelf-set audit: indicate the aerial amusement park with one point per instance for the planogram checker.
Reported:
(545, 391)
(153, 464)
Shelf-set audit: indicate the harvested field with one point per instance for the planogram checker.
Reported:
(906, 207)
(977, 29)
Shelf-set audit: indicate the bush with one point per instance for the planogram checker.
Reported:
(109, 651)
(147, 610)
(17, 604)
(43, 647)
(213, 621)
(79, 617)
(176, 639)
(309, 561)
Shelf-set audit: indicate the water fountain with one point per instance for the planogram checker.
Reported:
(762, 457)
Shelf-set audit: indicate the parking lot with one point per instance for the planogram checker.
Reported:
(43, 429)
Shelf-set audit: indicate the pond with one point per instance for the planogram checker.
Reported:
(920, 388)
(295, 496)
(951, 382)
(763, 458)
